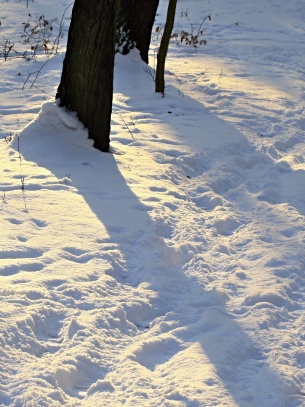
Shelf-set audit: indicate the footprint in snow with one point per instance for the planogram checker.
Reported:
(226, 226)
(15, 221)
(39, 223)
(156, 352)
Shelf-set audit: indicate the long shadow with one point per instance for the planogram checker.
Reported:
(97, 178)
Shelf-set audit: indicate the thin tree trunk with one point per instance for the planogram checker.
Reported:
(86, 85)
(136, 19)
(161, 57)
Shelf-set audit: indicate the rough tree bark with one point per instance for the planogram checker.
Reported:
(161, 56)
(86, 85)
(136, 19)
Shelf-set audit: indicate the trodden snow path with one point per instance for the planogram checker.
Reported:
(171, 271)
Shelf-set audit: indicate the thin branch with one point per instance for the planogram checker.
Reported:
(200, 76)
(126, 125)
(56, 41)
(37, 74)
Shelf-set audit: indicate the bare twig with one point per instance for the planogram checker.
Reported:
(41, 90)
(172, 74)
(4, 197)
(61, 24)
(148, 71)
(194, 38)
(200, 76)
(126, 125)
(35, 73)
(22, 177)
(7, 47)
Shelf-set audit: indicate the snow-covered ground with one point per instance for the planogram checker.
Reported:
(170, 272)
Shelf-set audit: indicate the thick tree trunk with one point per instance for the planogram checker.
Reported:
(161, 57)
(86, 85)
(135, 24)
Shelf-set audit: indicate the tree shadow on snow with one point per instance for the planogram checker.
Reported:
(237, 367)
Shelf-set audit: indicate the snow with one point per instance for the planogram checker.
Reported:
(169, 272)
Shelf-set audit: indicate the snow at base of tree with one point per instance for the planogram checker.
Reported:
(171, 271)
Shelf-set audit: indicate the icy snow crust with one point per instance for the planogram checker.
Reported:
(169, 272)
